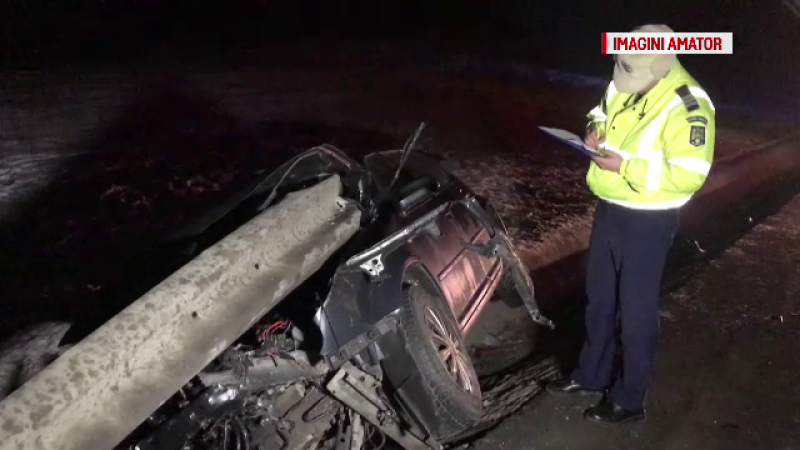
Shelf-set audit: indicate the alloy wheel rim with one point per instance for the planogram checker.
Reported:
(451, 352)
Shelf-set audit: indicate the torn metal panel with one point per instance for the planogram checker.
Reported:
(370, 260)
(359, 391)
(103, 387)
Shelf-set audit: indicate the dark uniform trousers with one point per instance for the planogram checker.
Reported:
(627, 253)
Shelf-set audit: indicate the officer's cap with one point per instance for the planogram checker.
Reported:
(633, 72)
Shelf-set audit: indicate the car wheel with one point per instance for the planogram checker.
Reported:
(434, 340)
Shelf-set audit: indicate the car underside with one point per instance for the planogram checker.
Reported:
(370, 348)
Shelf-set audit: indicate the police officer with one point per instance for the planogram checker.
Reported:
(655, 125)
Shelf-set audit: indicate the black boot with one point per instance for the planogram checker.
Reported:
(609, 412)
(566, 386)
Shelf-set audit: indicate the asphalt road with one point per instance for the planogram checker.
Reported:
(728, 367)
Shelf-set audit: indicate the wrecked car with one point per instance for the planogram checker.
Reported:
(369, 349)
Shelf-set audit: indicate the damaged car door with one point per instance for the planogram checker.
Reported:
(466, 277)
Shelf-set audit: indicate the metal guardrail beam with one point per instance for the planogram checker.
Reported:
(107, 384)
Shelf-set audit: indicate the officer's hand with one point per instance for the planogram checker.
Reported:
(591, 139)
(611, 161)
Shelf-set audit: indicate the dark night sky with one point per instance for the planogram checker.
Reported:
(563, 34)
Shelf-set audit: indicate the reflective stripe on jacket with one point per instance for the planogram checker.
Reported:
(665, 137)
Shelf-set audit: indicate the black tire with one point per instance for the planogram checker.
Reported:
(457, 397)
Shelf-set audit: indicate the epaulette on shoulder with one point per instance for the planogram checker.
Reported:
(689, 101)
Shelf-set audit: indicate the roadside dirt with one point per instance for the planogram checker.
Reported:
(728, 367)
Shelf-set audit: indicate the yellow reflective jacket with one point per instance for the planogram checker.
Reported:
(666, 140)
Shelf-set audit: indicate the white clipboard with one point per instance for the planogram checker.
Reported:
(571, 139)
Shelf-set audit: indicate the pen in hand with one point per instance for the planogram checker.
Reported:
(593, 141)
